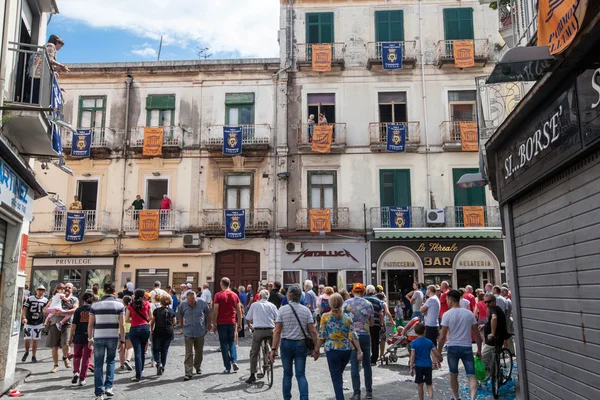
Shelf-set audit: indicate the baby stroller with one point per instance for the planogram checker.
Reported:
(401, 340)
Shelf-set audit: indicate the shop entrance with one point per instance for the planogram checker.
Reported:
(468, 277)
(397, 283)
(326, 278)
(437, 279)
(242, 267)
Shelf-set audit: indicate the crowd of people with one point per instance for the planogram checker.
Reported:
(351, 327)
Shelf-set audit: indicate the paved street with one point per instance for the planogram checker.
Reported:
(390, 382)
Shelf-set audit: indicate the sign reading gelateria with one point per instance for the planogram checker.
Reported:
(475, 258)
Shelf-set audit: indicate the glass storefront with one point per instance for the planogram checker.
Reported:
(397, 283)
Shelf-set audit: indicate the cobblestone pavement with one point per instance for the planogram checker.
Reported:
(389, 382)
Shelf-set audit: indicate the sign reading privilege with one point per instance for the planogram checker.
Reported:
(391, 55)
(81, 143)
(320, 220)
(321, 57)
(473, 216)
(396, 138)
(149, 224)
(464, 53)
(558, 23)
(322, 138)
(400, 217)
(469, 136)
(232, 140)
(235, 224)
(75, 226)
(153, 141)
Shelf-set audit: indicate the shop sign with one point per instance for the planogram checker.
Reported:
(335, 256)
(14, 192)
(399, 258)
(558, 23)
(588, 96)
(73, 261)
(475, 259)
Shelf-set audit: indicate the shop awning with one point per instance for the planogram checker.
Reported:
(438, 233)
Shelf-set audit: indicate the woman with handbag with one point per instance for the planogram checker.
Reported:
(293, 326)
(138, 313)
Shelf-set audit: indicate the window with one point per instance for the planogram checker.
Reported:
(353, 277)
(474, 196)
(462, 105)
(389, 26)
(322, 103)
(238, 191)
(322, 189)
(155, 189)
(392, 107)
(319, 27)
(87, 191)
(394, 188)
(458, 23)
(291, 278)
(92, 112)
(160, 110)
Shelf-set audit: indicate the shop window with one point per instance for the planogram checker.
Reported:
(145, 278)
(47, 277)
(392, 107)
(291, 278)
(353, 277)
(322, 103)
(322, 189)
(319, 27)
(155, 189)
(160, 110)
(238, 191)
(326, 278)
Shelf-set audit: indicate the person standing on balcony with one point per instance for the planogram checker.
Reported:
(76, 204)
(32, 87)
(322, 119)
(311, 126)
(165, 205)
(137, 205)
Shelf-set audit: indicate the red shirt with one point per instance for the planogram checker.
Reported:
(443, 304)
(471, 298)
(165, 204)
(227, 301)
(482, 307)
(136, 319)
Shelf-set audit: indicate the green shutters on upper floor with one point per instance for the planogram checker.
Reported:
(92, 111)
(474, 196)
(160, 110)
(389, 26)
(319, 27)
(239, 108)
(394, 188)
(458, 23)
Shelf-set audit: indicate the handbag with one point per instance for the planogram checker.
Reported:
(310, 344)
(140, 314)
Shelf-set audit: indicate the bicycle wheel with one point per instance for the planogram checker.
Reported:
(496, 376)
(506, 365)
(260, 370)
(268, 364)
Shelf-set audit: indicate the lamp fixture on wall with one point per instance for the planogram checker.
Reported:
(87, 174)
(184, 264)
(127, 265)
(156, 173)
(87, 252)
(52, 252)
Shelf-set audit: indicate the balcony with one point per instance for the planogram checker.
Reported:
(340, 218)
(168, 222)
(95, 221)
(28, 102)
(254, 137)
(258, 220)
(451, 137)
(172, 138)
(304, 55)
(409, 54)
(305, 133)
(379, 217)
(102, 139)
(455, 218)
(445, 52)
(378, 135)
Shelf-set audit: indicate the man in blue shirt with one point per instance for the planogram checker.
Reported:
(195, 322)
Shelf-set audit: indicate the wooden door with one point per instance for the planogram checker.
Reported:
(242, 267)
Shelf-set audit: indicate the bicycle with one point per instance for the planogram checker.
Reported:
(501, 369)
(264, 363)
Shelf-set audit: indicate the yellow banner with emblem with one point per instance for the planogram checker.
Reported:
(320, 220)
(464, 53)
(149, 221)
(468, 136)
(153, 141)
(322, 138)
(473, 216)
(321, 57)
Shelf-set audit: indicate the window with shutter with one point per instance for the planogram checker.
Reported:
(474, 196)
(394, 188)
(160, 110)
(239, 108)
(319, 27)
(92, 111)
(389, 26)
(458, 23)
(392, 107)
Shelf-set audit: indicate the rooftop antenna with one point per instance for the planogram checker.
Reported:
(203, 52)
(159, 48)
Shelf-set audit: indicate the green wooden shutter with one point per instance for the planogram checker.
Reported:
(162, 102)
(467, 197)
(466, 23)
(458, 23)
(319, 27)
(389, 26)
(394, 188)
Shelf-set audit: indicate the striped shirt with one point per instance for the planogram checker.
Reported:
(106, 313)
(291, 328)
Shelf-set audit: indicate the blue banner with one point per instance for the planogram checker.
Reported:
(391, 55)
(232, 140)
(396, 138)
(56, 103)
(81, 143)
(235, 224)
(75, 226)
(400, 217)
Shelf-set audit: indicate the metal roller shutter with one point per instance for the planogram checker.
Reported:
(145, 278)
(557, 248)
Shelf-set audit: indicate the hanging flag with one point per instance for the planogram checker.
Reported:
(469, 136)
(391, 55)
(232, 140)
(75, 228)
(153, 141)
(320, 220)
(235, 224)
(321, 57)
(558, 23)
(464, 53)
(149, 224)
(81, 143)
(396, 138)
(473, 216)
(56, 103)
(400, 217)
(322, 138)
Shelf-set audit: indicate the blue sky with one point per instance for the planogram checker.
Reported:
(121, 30)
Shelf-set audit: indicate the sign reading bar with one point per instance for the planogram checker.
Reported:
(321, 57)
(322, 138)
(235, 224)
(232, 140)
(153, 141)
(558, 23)
(75, 228)
(149, 227)
(391, 55)
(400, 217)
(320, 220)
(469, 136)
(464, 53)
(81, 143)
(473, 216)
(396, 138)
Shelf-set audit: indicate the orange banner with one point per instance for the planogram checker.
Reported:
(468, 136)
(321, 57)
(153, 141)
(464, 53)
(320, 220)
(322, 138)
(558, 23)
(473, 216)
(149, 221)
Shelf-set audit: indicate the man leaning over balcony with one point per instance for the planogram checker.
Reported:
(32, 93)
(137, 205)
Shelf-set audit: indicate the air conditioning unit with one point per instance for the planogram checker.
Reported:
(435, 217)
(192, 240)
(293, 247)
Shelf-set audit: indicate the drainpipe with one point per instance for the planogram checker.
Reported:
(424, 98)
(128, 82)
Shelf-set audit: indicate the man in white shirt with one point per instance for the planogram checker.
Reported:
(156, 291)
(416, 299)
(500, 301)
(508, 343)
(431, 311)
(261, 322)
(206, 295)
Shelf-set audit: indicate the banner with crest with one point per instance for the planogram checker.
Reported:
(153, 141)
(81, 143)
(396, 138)
(149, 224)
(320, 220)
(464, 53)
(321, 57)
(75, 228)
(235, 224)
(473, 216)
(469, 136)
(232, 140)
(391, 55)
(322, 138)
(400, 217)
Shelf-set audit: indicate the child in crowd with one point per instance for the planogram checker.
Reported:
(421, 365)
(399, 310)
(56, 307)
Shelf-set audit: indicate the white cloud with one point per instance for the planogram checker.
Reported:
(146, 51)
(248, 27)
